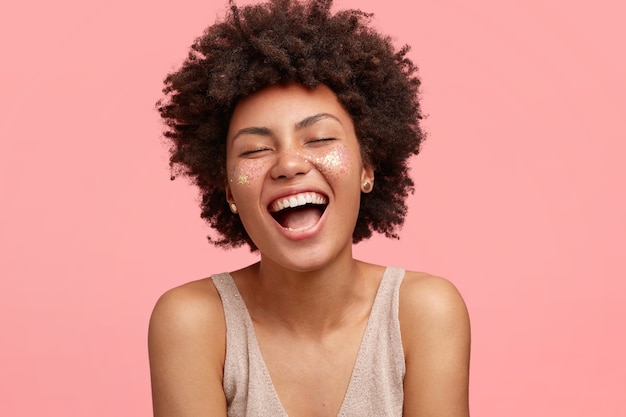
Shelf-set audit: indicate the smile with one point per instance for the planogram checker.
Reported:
(298, 212)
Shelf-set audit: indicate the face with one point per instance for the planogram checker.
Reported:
(295, 174)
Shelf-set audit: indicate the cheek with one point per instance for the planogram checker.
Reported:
(333, 163)
(245, 172)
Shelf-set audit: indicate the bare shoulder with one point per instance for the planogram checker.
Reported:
(430, 307)
(187, 345)
(436, 339)
(427, 299)
(188, 308)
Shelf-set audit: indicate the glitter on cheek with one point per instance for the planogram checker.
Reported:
(334, 163)
(246, 172)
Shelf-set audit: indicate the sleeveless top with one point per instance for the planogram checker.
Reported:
(376, 384)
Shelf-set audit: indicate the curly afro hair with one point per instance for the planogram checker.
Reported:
(289, 41)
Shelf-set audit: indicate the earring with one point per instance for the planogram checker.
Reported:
(233, 208)
(367, 187)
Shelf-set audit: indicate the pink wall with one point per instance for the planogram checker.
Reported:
(520, 197)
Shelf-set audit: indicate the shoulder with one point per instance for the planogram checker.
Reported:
(430, 307)
(187, 347)
(428, 299)
(435, 330)
(189, 308)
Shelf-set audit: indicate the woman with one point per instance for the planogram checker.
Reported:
(296, 125)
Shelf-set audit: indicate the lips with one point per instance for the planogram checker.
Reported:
(299, 212)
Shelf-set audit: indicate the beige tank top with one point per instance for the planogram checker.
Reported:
(375, 388)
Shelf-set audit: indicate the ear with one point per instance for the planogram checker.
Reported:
(231, 201)
(367, 178)
(229, 193)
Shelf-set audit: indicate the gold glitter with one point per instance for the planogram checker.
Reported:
(333, 163)
(332, 159)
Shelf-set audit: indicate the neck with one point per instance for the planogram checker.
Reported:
(313, 302)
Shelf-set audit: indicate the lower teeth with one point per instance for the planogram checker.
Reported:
(301, 229)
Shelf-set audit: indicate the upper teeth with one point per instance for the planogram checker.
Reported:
(297, 200)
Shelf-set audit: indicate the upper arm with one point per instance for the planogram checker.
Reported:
(186, 343)
(436, 339)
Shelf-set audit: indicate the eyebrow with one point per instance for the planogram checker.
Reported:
(304, 123)
(311, 120)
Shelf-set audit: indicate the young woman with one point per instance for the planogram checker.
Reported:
(297, 124)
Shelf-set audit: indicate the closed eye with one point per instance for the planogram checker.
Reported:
(254, 151)
(319, 141)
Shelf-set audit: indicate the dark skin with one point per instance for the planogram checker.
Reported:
(309, 308)
(187, 339)
(283, 42)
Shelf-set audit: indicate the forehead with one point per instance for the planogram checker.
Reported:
(286, 105)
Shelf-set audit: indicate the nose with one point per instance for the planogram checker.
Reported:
(289, 164)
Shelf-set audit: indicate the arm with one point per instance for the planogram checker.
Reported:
(186, 343)
(436, 339)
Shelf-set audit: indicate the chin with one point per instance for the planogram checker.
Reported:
(306, 258)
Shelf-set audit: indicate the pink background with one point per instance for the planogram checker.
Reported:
(520, 197)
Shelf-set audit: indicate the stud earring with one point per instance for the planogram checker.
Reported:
(367, 187)
(233, 208)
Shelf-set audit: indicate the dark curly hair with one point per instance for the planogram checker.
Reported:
(289, 41)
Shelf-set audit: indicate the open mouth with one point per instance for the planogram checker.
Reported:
(299, 212)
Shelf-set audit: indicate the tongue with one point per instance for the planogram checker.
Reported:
(301, 218)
